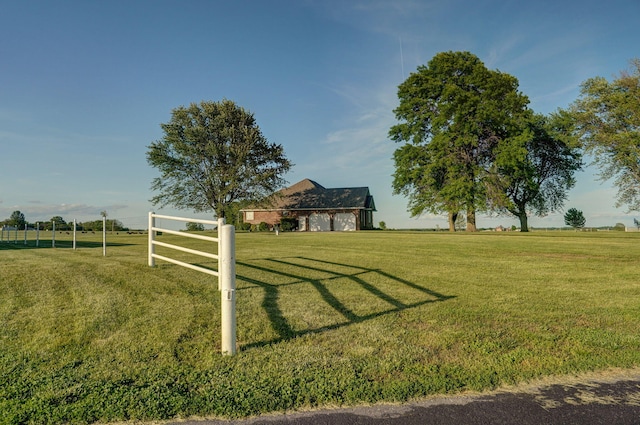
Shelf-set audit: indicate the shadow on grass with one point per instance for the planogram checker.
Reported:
(47, 244)
(358, 275)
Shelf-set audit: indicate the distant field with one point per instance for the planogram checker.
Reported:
(324, 319)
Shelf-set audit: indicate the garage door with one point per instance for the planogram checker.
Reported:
(319, 223)
(344, 222)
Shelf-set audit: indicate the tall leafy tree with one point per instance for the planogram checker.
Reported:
(535, 168)
(608, 121)
(213, 154)
(453, 113)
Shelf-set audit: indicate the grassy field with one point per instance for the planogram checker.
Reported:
(327, 319)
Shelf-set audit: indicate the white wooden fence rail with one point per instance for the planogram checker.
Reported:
(226, 272)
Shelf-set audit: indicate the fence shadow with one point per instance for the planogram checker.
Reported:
(294, 268)
(65, 244)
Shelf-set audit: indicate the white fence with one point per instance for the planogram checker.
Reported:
(226, 272)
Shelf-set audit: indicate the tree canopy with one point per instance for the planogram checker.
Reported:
(607, 117)
(574, 218)
(213, 154)
(535, 168)
(453, 114)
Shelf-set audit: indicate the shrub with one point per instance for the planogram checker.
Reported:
(288, 224)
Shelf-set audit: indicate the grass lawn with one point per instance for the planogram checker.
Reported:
(324, 319)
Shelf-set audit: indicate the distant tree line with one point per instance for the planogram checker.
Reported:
(18, 220)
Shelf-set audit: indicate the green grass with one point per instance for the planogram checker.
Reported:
(328, 319)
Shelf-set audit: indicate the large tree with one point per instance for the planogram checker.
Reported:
(213, 154)
(608, 120)
(535, 168)
(453, 113)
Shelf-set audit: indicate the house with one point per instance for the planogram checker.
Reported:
(316, 208)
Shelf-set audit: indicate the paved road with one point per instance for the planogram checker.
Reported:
(611, 400)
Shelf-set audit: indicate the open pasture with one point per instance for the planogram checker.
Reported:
(324, 319)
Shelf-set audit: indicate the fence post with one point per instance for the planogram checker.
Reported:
(221, 222)
(53, 234)
(227, 278)
(152, 249)
(104, 236)
(74, 233)
(37, 233)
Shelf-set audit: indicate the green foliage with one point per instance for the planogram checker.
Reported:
(607, 116)
(382, 225)
(194, 227)
(17, 220)
(574, 218)
(93, 339)
(453, 114)
(535, 168)
(288, 224)
(213, 154)
(620, 227)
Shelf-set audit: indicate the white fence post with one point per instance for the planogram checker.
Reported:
(221, 222)
(37, 233)
(152, 235)
(228, 294)
(104, 236)
(53, 235)
(74, 233)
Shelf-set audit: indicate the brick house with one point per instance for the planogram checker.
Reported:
(316, 208)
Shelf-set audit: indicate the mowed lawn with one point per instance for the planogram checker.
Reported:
(324, 319)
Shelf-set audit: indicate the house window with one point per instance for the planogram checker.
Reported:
(249, 215)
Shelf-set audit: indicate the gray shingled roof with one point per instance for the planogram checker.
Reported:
(309, 195)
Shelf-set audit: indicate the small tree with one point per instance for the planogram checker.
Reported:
(637, 223)
(17, 219)
(382, 225)
(194, 227)
(574, 218)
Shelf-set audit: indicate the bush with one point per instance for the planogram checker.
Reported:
(620, 227)
(288, 224)
(244, 226)
(262, 227)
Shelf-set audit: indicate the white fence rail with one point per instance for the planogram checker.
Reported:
(226, 272)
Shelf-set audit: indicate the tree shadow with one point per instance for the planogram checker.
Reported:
(364, 278)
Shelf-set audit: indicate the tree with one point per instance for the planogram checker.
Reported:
(59, 221)
(453, 113)
(17, 220)
(574, 218)
(535, 169)
(194, 227)
(607, 117)
(637, 223)
(213, 154)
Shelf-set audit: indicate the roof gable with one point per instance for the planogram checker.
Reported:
(309, 195)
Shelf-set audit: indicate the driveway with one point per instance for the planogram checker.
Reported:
(611, 398)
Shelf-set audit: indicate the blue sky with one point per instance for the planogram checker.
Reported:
(85, 85)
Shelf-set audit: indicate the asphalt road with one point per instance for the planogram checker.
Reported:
(612, 400)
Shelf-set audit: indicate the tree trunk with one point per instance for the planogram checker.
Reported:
(524, 225)
(453, 216)
(471, 220)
